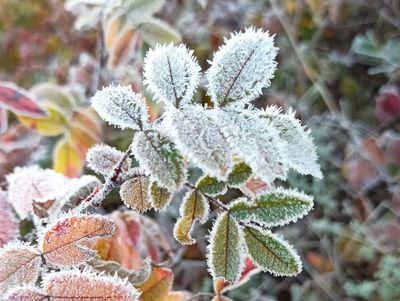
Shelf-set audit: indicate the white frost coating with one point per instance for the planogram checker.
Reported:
(32, 183)
(199, 137)
(302, 154)
(121, 107)
(256, 142)
(159, 159)
(242, 67)
(172, 74)
(89, 282)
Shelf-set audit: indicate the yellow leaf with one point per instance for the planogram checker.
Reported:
(66, 159)
(157, 286)
(52, 125)
(81, 140)
(87, 119)
(178, 296)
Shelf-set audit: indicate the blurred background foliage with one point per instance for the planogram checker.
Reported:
(339, 68)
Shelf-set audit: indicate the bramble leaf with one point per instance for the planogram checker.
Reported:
(194, 207)
(134, 193)
(63, 242)
(157, 286)
(121, 107)
(256, 142)
(276, 208)
(302, 154)
(25, 293)
(171, 73)
(19, 264)
(8, 223)
(211, 186)
(76, 285)
(102, 159)
(240, 173)
(242, 67)
(271, 253)
(158, 156)
(160, 197)
(225, 257)
(198, 136)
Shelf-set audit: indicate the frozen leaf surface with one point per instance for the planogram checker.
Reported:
(134, 193)
(157, 286)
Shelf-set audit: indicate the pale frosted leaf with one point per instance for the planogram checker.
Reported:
(120, 106)
(8, 226)
(198, 136)
(76, 285)
(140, 9)
(256, 142)
(172, 74)
(157, 286)
(242, 67)
(63, 242)
(158, 156)
(134, 193)
(194, 207)
(211, 186)
(302, 155)
(19, 264)
(160, 197)
(276, 208)
(103, 158)
(271, 253)
(225, 257)
(155, 31)
(240, 173)
(32, 183)
(25, 293)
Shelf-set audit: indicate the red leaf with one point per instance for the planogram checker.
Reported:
(387, 106)
(17, 101)
(3, 121)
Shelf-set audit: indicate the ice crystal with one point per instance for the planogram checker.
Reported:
(120, 106)
(172, 74)
(242, 67)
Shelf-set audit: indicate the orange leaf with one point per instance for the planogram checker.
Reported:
(81, 140)
(321, 263)
(178, 296)
(158, 285)
(87, 119)
(120, 46)
(19, 264)
(63, 243)
(66, 159)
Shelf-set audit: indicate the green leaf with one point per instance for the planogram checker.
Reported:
(155, 32)
(240, 173)
(140, 9)
(194, 207)
(271, 253)
(158, 156)
(160, 197)
(225, 257)
(211, 186)
(276, 208)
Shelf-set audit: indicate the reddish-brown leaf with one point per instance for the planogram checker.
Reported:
(157, 286)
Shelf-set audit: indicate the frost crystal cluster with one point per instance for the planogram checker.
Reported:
(227, 145)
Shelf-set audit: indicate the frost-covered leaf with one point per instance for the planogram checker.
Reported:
(120, 106)
(158, 156)
(254, 187)
(276, 208)
(18, 101)
(172, 74)
(76, 285)
(8, 223)
(24, 293)
(198, 136)
(3, 120)
(63, 242)
(134, 193)
(102, 159)
(32, 183)
(242, 67)
(114, 268)
(19, 265)
(271, 253)
(225, 257)
(160, 197)
(194, 207)
(156, 31)
(256, 142)
(211, 186)
(301, 151)
(240, 173)
(157, 286)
